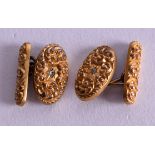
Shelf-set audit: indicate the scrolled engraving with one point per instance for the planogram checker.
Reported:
(22, 74)
(132, 72)
(51, 73)
(95, 73)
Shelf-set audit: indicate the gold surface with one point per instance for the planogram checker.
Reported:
(51, 73)
(132, 70)
(22, 74)
(95, 73)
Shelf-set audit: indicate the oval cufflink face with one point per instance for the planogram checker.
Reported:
(95, 73)
(132, 72)
(51, 73)
(22, 74)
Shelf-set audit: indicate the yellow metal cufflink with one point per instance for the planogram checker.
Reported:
(98, 68)
(49, 70)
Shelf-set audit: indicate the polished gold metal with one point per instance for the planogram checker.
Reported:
(98, 68)
(22, 74)
(51, 73)
(132, 70)
(129, 79)
(95, 73)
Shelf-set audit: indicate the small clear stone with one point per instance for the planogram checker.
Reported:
(93, 70)
(52, 73)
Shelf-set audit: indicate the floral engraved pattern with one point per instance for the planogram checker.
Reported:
(132, 72)
(51, 73)
(95, 73)
(22, 74)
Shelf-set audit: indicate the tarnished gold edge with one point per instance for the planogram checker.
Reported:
(126, 77)
(26, 66)
(56, 99)
(106, 84)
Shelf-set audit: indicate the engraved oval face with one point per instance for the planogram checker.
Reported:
(22, 74)
(51, 73)
(95, 73)
(132, 72)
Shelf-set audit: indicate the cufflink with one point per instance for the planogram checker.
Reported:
(98, 68)
(49, 72)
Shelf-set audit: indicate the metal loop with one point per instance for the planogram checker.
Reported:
(119, 81)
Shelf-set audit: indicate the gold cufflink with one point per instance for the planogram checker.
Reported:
(98, 68)
(49, 71)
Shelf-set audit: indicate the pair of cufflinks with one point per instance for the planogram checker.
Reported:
(50, 73)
